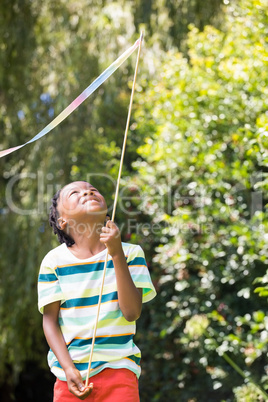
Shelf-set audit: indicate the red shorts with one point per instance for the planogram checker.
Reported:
(110, 385)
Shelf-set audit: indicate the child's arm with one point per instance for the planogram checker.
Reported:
(57, 344)
(129, 297)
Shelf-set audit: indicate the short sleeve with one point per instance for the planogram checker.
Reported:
(140, 273)
(49, 289)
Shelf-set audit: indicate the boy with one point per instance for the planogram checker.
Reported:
(68, 288)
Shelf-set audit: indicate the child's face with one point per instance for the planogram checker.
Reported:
(79, 199)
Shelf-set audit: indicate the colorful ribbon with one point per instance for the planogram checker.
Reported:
(80, 99)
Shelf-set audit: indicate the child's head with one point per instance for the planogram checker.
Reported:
(53, 221)
(73, 204)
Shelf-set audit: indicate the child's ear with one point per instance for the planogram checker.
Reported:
(61, 223)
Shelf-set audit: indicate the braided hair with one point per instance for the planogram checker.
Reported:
(53, 221)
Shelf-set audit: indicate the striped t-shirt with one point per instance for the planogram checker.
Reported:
(76, 284)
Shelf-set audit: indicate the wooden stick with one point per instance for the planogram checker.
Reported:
(114, 208)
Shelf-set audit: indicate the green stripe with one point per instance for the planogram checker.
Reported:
(140, 278)
(50, 292)
(81, 277)
(112, 315)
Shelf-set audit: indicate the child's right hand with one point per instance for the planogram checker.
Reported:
(76, 385)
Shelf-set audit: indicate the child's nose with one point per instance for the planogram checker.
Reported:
(86, 192)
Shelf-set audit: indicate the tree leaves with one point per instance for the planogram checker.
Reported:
(200, 174)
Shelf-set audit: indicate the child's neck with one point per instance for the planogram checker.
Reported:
(86, 244)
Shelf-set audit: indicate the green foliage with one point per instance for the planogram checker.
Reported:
(200, 178)
(52, 51)
(247, 393)
(203, 116)
(262, 290)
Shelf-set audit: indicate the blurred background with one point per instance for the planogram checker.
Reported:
(194, 183)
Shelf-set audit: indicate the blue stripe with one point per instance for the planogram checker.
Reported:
(102, 340)
(84, 366)
(82, 268)
(135, 359)
(138, 261)
(89, 301)
(47, 278)
(81, 366)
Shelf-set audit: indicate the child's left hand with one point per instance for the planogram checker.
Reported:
(110, 236)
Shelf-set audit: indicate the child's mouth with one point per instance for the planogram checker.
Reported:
(89, 200)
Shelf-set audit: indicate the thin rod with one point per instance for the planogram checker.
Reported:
(114, 208)
(126, 130)
(97, 319)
